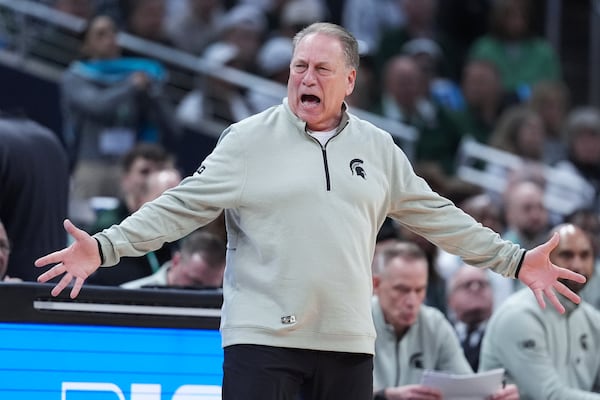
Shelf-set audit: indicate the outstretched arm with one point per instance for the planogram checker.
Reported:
(76, 262)
(543, 277)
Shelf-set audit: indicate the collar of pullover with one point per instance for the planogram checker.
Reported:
(301, 125)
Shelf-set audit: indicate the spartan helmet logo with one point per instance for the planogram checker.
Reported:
(356, 168)
(416, 360)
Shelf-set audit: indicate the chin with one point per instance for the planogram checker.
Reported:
(408, 321)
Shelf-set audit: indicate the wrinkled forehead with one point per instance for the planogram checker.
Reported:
(400, 267)
(320, 45)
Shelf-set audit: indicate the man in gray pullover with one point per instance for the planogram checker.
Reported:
(412, 337)
(305, 187)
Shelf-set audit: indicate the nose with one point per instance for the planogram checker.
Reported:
(412, 299)
(309, 77)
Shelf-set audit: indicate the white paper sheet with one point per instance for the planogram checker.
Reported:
(465, 387)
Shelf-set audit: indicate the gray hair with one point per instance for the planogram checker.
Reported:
(210, 245)
(402, 249)
(348, 41)
(581, 118)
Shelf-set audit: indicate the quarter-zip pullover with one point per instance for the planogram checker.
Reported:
(298, 271)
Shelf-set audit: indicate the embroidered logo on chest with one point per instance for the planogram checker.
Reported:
(357, 169)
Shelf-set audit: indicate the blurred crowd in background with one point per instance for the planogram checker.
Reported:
(498, 130)
(145, 87)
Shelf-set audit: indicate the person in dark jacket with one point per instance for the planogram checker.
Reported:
(34, 183)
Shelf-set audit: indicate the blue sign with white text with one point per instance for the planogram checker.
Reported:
(76, 362)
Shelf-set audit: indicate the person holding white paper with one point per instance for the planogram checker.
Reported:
(412, 337)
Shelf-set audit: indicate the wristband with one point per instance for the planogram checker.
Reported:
(100, 253)
(520, 265)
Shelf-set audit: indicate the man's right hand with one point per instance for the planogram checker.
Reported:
(76, 262)
(413, 392)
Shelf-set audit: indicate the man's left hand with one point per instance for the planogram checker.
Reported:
(542, 276)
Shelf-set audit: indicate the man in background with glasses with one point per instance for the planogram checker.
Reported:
(470, 305)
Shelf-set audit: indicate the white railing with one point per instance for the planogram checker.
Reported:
(490, 169)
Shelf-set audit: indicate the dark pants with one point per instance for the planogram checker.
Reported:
(252, 372)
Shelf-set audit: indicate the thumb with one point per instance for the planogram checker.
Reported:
(552, 243)
(72, 230)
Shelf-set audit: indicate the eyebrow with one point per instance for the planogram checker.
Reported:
(571, 253)
(404, 287)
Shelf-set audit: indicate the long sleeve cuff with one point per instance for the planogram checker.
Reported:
(100, 252)
(519, 265)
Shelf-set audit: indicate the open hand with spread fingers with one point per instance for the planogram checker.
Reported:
(544, 277)
(75, 262)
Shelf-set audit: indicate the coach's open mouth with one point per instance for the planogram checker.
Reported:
(309, 99)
